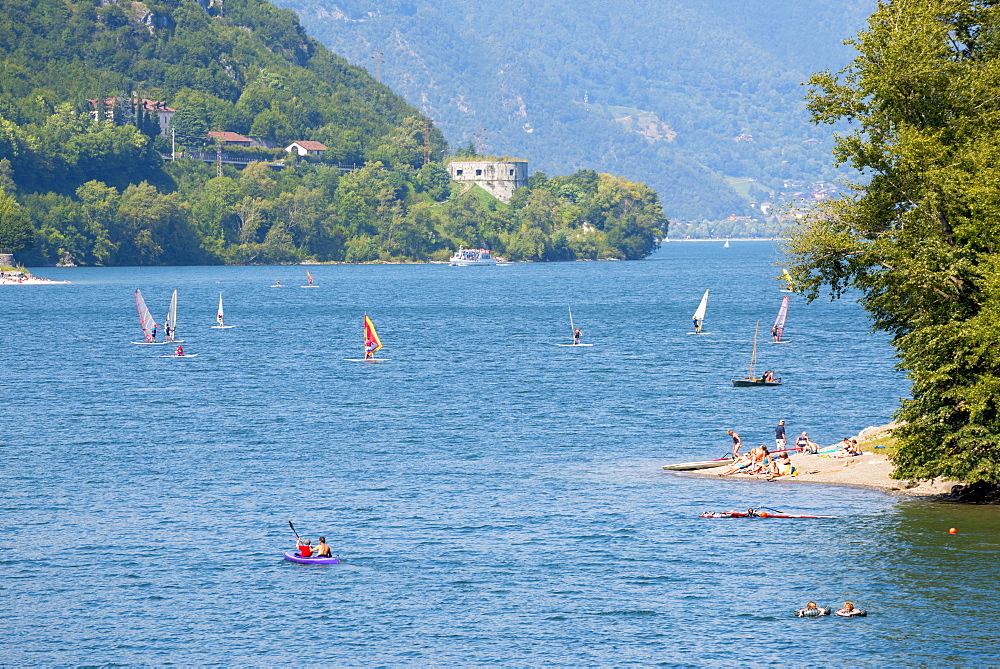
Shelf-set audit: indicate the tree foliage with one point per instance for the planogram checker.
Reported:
(921, 239)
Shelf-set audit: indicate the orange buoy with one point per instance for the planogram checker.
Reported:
(953, 531)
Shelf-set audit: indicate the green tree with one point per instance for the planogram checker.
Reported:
(16, 231)
(920, 239)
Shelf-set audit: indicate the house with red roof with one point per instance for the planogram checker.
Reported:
(306, 147)
(227, 138)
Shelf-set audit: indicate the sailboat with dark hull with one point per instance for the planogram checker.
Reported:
(766, 379)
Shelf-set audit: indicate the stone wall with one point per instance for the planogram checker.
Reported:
(498, 178)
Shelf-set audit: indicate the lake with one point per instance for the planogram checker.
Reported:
(496, 499)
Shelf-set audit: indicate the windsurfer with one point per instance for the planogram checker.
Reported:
(152, 333)
(180, 350)
(370, 348)
(697, 325)
(774, 333)
(576, 336)
(322, 550)
(167, 330)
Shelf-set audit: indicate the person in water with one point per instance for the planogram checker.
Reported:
(849, 611)
(304, 546)
(737, 442)
(180, 350)
(812, 611)
(576, 336)
(322, 550)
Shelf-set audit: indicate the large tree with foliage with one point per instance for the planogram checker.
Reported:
(920, 239)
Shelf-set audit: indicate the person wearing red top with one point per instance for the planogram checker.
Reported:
(305, 548)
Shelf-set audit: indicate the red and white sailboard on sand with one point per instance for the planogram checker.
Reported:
(146, 321)
(778, 328)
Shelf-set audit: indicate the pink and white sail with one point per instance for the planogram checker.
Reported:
(146, 321)
(779, 323)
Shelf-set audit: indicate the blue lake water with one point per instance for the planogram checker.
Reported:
(496, 499)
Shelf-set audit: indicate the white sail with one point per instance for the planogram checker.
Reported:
(779, 322)
(220, 317)
(699, 313)
(170, 324)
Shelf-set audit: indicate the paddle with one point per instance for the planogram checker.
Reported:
(293, 530)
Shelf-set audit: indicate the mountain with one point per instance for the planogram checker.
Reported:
(107, 109)
(686, 95)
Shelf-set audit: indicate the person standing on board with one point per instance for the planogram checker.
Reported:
(779, 436)
(153, 333)
(737, 442)
(370, 347)
(576, 336)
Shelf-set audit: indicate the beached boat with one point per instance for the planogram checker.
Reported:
(472, 258)
(767, 379)
(701, 464)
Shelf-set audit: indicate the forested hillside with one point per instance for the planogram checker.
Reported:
(88, 181)
(677, 93)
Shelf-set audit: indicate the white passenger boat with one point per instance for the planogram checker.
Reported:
(472, 258)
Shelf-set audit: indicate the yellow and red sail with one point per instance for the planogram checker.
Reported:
(371, 337)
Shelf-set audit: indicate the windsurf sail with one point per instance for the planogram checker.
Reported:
(220, 317)
(753, 353)
(779, 323)
(170, 324)
(372, 342)
(146, 321)
(309, 278)
(699, 313)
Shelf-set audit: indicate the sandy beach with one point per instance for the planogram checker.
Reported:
(872, 469)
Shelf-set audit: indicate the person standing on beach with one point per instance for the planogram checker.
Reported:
(779, 436)
(737, 442)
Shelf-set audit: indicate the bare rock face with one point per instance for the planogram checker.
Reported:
(975, 493)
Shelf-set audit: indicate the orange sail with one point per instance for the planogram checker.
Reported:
(371, 337)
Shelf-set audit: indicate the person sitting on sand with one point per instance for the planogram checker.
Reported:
(741, 462)
(812, 611)
(782, 466)
(761, 458)
(304, 546)
(848, 449)
(322, 550)
(849, 611)
(804, 445)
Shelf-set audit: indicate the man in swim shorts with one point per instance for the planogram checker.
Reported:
(322, 550)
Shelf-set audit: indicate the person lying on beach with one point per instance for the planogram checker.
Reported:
(849, 611)
(753, 462)
(782, 466)
(812, 611)
(741, 462)
(848, 449)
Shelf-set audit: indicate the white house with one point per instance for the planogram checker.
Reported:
(306, 147)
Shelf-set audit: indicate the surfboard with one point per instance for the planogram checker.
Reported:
(574, 344)
(221, 327)
(150, 343)
(366, 359)
(699, 333)
(312, 286)
(186, 355)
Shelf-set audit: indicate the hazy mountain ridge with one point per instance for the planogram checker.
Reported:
(712, 72)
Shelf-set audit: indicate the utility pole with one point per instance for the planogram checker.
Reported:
(218, 159)
(173, 145)
(378, 65)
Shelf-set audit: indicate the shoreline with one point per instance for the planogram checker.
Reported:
(872, 470)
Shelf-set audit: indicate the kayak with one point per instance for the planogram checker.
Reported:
(755, 513)
(703, 464)
(295, 557)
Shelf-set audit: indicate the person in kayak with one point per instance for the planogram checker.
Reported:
(322, 550)
(304, 546)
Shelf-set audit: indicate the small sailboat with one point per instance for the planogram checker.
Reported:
(576, 334)
(146, 322)
(372, 344)
(309, 281)
(779, 322)
(170, 324)
(726, 245)
(766, 379)
(699, 315)
(220, 317)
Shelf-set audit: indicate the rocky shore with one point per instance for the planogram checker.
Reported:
(872, 469)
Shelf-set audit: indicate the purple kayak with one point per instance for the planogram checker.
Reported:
(295, 557)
